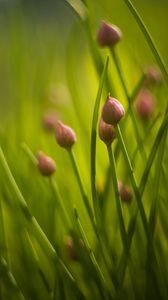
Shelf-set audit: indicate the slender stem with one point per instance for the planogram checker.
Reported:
(149, 39)
(129, 99)
(117, 196)
(29, 153)
(148, 131)
(133, 181)
(93, 142)
(153, 152)
(92, 256)
(3, 233)
(60, 202)
(87, 204)
(81, 186)
(10, 276)
(40, 235)
(156, 267)
(86, 242)
(53, 183)
(154, 206)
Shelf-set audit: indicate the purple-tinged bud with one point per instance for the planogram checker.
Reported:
(145, 104)
(46, 164)
(125, 192)
(108, 35)
(152, 75)
(50, 120)
(107, 132)
(65, 136)
(112, 111)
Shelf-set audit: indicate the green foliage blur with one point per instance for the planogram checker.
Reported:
(46, 65)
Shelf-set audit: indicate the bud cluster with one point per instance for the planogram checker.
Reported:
(112, 112)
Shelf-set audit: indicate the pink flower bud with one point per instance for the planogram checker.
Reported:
(50, 120)
(152, 75)
(65, 135)
(46, 164)
(108, 35)
(112, 111)
(107, 132)
(125, 192)
(145, 104)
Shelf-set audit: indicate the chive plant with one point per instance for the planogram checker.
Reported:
(90, 232)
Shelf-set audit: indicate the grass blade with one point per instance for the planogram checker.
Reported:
(149, 39)
(93, 141)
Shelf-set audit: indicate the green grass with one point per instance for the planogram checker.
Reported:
(119, 249)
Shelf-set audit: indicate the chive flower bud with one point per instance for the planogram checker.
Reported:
(112, 111)
(46, 164)
(107, 132)
(152, 76)
(145, 104)
(50, 120)
(108, 35)
(125, 192)
(65, 136)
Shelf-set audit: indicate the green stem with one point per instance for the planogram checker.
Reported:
(117, 196)
(133, 182)
(153, 152)
(143, 215)
(93, 144)
(87, 204)
(149, 39)
(129, 99)
(40, 235)
(86, 242)
(109, 287)
(53, 183)
(4, 266)
(154, 206)
(81, 186)
(60, 203)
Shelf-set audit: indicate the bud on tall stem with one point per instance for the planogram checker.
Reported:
(108, 35)
(107, 132)
(145, 104)
(112, 111)
(46, 164)
(65, 136)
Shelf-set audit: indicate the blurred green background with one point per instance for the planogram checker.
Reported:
(46, 64)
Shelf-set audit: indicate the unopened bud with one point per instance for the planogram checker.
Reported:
(50, 120)
(108, 35)
(145, 104)
(125, 192)
(46, 164)
(65, 135)
(152, 75)
(112, 111)
(107, 132)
